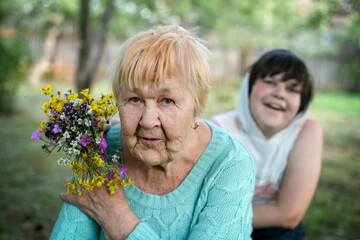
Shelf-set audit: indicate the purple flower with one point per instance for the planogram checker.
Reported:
(111, 176)
(85, 140)
(36, 135)
(102, 145)
(103, 158)
(96, 122)
(54, 113)
(56, 129)
(123, 171)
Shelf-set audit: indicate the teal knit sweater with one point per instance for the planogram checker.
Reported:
(213, 202)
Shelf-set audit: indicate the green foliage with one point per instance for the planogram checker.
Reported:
(324, 16)
(338, 101)
(11, 69)
(334, 211)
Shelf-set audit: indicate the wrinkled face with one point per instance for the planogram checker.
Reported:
(274, 103)
(156, 120)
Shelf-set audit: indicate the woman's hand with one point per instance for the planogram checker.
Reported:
(111, 212)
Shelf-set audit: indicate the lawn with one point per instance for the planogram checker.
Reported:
(30, 181)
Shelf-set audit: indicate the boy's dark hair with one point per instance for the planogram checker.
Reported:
(283, 61)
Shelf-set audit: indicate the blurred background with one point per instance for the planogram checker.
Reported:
(70, 44)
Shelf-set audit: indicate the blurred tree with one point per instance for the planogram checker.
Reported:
(12, 49)
(91, 45)
(342, 17)
(244, 25)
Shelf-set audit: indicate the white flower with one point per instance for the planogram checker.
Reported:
(115, 158)
(70, 151)
(62, 116)
(78, 138)
(87, 122)
(73, 128)
(67, 162)
(66, 134)
(63, 161)
(97, 140)
(66, 94)
(73, 143)
(87, 133)
(78, 101)
(59, 162)
(80, 121)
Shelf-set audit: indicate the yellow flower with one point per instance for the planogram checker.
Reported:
(85, 93)
(112, 110)
(47, 89)
(73, 96)
(45, 107)
(127, 182)
(98, 161)
(57, 103)
(100, 125)
(42, 125)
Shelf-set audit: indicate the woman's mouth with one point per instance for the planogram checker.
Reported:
(149, 141)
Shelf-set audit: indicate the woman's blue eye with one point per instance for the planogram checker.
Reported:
(134, 99)
(167, 101)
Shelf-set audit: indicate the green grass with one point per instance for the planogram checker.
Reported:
(30, 181)
(335, 209)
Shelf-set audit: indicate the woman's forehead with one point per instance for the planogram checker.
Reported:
(168, 84)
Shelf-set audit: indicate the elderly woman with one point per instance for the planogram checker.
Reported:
(192, 180)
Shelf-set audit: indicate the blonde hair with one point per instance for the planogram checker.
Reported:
(154, 54)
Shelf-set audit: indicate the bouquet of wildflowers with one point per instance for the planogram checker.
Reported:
(74, 124)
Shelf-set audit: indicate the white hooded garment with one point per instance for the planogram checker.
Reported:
(270, 155)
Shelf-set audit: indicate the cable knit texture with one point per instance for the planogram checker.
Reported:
(213, 202)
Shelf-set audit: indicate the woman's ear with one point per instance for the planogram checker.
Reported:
(196, 121)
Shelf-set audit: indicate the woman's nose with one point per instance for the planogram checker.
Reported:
(150, 116)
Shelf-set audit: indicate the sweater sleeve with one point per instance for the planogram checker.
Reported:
(74, 224)
(227, 211)
(143, 231)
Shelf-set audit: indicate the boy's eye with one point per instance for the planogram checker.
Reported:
(291, 89)
(268, 81)
(294, 90)
(167, 101)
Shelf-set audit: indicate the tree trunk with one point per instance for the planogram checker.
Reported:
(46, 59)
(91, 48)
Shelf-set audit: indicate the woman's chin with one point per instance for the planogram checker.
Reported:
(153, 158)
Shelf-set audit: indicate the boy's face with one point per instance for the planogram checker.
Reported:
(274, 103)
